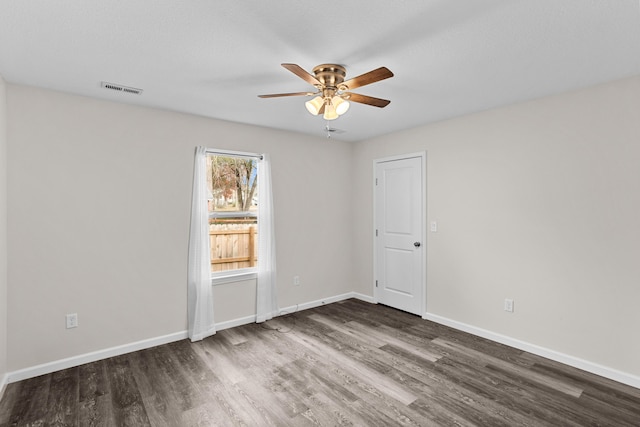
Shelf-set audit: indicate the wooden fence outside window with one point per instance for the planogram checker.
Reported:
(233, 245)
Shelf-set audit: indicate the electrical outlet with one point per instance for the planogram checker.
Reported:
(296, 280)
(508, 305)
(72, 320)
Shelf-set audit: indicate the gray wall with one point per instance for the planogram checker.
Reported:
(99, 201)
(539, 202)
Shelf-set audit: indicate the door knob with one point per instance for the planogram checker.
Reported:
(416, 244)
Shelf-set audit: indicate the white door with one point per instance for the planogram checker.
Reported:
(399, 246)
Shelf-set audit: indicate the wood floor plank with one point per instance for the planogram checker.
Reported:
(451, 396)
(347, 363)
(374, 379)
(313, 378)
(515, 389)
(94, 396)
(128, 406)
(219, 356)
(324, 393)
(515, 402)
(181, 385)
(93, 380)
(160, 401)
(234, 336)
(438, 415)
(9, 400)
(278, 411)
(31, 403)
(516, 370)
(607, 391)
(381, 336)
(616, 415)
(63, 402)
(198, 378)
(96, 412)
(420, 376)
(239, 409)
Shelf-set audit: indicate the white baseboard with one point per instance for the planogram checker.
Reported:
(363, 297)
(70, 362)
(585, 365)
(324, 301)
(291, 309)
(235, 322)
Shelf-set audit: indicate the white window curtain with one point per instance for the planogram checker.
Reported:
(200, 292)
(267, 303)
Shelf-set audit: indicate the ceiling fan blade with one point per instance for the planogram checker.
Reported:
(364, 99)
(368, 78)
(276, 95)
(300, 72)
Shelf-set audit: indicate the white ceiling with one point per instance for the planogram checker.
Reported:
(211, 58)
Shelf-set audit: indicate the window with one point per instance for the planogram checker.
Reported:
(232, 183)
(223, 192)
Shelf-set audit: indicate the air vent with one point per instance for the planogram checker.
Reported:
(120, 88)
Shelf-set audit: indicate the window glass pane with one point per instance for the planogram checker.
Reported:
(233, 212)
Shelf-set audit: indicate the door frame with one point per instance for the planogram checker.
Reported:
(423, 267)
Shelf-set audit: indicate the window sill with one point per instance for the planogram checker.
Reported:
(234, 276)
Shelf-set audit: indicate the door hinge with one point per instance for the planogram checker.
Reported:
(376, 283)
(376, 181)
(376, 232)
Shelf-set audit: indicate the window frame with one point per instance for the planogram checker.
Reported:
(240, 274)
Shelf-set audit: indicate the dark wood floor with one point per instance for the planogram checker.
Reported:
(348, 363)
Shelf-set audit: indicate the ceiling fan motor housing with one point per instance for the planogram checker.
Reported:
(331, 76)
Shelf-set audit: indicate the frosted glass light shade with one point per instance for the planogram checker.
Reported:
(314, 105)
(330, 112)
(340, 105)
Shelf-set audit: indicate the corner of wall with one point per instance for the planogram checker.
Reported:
(3, 236)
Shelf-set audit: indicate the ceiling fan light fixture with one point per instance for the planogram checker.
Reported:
(314, 105)
(340, 105)
(330, 112)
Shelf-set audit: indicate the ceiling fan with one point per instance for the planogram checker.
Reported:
(332, 90)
